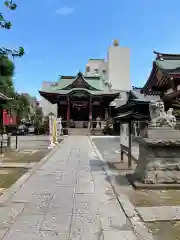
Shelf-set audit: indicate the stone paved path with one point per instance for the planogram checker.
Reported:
(68, 198)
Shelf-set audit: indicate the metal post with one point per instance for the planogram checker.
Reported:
(130, 144)
(17, 125)
(1, 144)
(16, 139)
(9, 142)
(2, 128)
(68, 111)
(17, 130)
(90, 109)
(121, 151)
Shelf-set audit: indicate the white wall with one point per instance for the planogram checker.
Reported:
(47, 107)
(118, 68)
(94, 64)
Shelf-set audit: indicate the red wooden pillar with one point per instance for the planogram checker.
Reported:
(68, 111)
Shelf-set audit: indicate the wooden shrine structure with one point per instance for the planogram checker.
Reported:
(81, 98)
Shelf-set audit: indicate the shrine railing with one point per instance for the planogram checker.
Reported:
(81, 124)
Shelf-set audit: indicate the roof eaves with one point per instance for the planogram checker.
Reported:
(154, 67)
(166, 55)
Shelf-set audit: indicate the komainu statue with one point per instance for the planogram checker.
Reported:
(158, 115)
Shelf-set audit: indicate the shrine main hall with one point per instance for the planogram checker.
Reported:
(81, 98)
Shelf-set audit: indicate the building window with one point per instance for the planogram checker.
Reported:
(87, 69)
(96, 71)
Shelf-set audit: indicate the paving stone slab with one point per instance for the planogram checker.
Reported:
(87, 236)
(17, 235)
(124, 235)
(85, 223)
(52, 235)
(86, 188)
(27, 224)
(9, 213)
(85, 208)
(81, 198)
(160, 213)
(39, 204)
(54, 222)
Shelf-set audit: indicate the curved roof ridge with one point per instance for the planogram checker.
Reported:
(166, 55)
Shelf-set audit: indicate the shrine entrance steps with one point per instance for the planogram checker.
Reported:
(78, 131)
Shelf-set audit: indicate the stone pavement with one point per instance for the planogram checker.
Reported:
(112, 152)
(68, 198)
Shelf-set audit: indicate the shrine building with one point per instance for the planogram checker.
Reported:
(89, 95)
(81, 98)
(164, 80)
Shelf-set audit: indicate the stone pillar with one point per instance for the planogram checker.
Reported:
(90, 109)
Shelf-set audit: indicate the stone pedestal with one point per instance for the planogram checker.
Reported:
(159, 157)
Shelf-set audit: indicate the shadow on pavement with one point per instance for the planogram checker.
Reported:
(98, 166)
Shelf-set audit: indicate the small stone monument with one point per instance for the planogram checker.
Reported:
(97, 130)
(159, 149)
(98, 123)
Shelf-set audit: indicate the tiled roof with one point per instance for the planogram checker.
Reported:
(168, 62)
(95, 82)
(91, 92)
(140, 96)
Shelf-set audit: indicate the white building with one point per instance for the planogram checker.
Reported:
(46, 106)
(116, 68)
(96, 67)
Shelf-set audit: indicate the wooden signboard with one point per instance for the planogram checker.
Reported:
(124, 134)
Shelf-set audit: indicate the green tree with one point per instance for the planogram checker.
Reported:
(20, 107)
(7, 25)
(38, 118)
(23, 106)
(6, 82)
(6, 66)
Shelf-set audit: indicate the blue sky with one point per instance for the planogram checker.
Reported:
(60, 36)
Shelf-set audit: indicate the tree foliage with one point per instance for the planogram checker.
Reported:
(6, 66)
(7, 25)
(20, 106)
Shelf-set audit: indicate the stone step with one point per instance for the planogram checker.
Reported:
(78, 131)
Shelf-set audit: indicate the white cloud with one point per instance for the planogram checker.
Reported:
(65, 11)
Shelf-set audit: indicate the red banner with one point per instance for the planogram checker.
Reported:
(8, 119)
